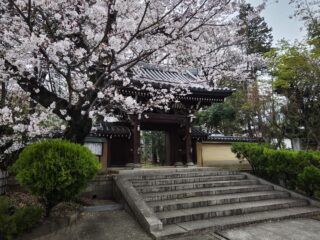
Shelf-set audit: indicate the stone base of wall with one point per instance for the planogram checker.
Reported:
(101, 187)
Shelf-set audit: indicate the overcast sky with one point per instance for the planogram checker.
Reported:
(277, 17)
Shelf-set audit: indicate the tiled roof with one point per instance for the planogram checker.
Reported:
(147, 73)
(232, 139)
(198, 133)
(109, 131)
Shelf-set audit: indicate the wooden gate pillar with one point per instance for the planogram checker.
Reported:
(168, 148)
(188, 143)
(136, 148)
(175, 147)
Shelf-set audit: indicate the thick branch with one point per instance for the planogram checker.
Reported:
(3, 95)
(44, 96)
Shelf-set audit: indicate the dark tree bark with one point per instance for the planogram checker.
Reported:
(78, 129)
(3, 94)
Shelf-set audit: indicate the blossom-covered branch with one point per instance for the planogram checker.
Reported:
(69, 55)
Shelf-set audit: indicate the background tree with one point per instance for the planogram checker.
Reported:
(218, 117)
(308, 12)
(154, 146)
(297, 72)
(245, 102)
(254, 27)
(259, 40)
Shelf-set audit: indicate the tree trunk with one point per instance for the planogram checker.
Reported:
(78, 129)
(250, 132)
(3, 94)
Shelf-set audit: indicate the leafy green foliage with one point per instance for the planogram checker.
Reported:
(314, 34)
(309, 179)
(154, 147)
(298, 170)
(15, 221)
(217, 117)
(296, 69)
(55, 170)
(253, 153)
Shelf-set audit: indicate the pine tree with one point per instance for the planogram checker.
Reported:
(259, 40)
(258, 34)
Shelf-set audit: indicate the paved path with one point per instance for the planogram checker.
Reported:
(110, 225)
(118, 225)
(298, 229)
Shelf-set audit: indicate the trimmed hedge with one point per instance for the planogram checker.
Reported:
(15, 221)
(297, 170)
(55, 170)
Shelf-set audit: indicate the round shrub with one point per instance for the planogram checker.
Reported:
(55, 170)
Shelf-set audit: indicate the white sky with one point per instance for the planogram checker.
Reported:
(277, 16)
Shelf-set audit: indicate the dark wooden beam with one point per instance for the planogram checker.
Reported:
(162, 118)
(188, 143)
(168, 148)
(136, 142)
(175, 145)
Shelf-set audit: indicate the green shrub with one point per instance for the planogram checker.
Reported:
(297, 170)
(55, 170)
(309, 180)
(253, 153)
(15, 221)
(26, 218)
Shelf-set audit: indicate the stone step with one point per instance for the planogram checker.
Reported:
(103, 208)
(221, 223)
(201, 185)
(143, 183)
(196, 202)
(194, 214)
(204, 192)
(182, 175)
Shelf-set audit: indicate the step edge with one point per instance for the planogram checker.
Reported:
(208, 189)
(228, 196)
(204, 182)
(312, 212)
(275, 195)
(263, 205)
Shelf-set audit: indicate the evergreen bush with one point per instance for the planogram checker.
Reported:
(309, 180)
(55, 170)
(297, 170)
(15, 221)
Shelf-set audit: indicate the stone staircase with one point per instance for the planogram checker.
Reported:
(179, 201)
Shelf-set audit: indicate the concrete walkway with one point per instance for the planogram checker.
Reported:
(119, 225)
(297, 229)
(110, 225)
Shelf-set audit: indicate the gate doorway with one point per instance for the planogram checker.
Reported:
(167, 141)
(153, 149)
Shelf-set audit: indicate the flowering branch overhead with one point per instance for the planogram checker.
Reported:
(69, 55)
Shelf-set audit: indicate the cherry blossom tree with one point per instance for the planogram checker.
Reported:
(67, 57)
(306, 10)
